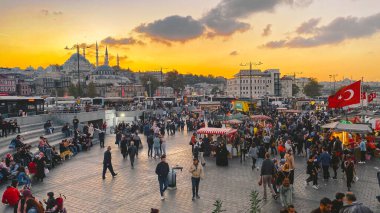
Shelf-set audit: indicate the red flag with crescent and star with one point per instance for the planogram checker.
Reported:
(346, 96)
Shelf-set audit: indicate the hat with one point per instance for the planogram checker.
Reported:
(26, 193)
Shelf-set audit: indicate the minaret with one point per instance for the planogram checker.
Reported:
(97, 55)
(106, 57)
(117, 61)
(84, 51)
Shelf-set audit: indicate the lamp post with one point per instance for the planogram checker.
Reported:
(161, 81)
(77, 46)
(250, 76)
(150, 87)
(333, 78)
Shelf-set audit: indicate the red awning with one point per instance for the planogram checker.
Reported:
(260, 117)
(233, 121)
(217, 131)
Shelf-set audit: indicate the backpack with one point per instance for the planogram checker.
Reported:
(286, 181)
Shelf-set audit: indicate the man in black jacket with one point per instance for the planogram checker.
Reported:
(107, 163)
(162, 170)
(150, 143)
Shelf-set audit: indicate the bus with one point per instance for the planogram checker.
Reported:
(86, 101)
(11, 106)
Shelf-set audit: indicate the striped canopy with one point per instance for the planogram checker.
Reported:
(217, 131)
(233, 121)
(260, 117)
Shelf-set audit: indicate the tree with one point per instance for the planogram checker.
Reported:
(313, 88)
(215, 90)
(153, 81)
(255, 202)
(61, 92)
(218, 206)
(73, 90)
(91, 90)
(175, 81)
(295, 89)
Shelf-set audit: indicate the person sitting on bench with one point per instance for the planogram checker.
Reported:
(48, 127)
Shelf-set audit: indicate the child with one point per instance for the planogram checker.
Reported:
(50, 202)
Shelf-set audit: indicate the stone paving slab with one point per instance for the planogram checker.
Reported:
(137, 190)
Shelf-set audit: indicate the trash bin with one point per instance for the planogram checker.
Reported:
(172, 177)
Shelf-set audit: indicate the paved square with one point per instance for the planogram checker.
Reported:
(137, 190)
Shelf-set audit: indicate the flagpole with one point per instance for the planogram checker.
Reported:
(361, 92)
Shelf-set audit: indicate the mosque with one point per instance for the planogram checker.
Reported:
(103, 75)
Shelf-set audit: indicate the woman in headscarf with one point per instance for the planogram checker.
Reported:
(221, 155)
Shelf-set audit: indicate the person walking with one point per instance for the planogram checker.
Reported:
(101, 136)
(107, 163)
(150, 144)
(163, 144)
(335, 164)
(132, 151)
(162, 171)
(156, 146)
(289, 159)
(285, 190)
(325, 159)
(353, 206)
(267, 171)
(201, 150)
(312, 171)
(197, 174)
(253, 154)
(137, 142)
(350, 171)
(363, 150)
(124, 147)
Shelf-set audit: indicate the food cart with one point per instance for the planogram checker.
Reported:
(349, 134)
(226, 135)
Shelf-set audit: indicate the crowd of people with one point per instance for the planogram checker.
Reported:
(273, 145)
(22, 167)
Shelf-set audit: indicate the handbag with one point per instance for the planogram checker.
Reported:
(46, 171)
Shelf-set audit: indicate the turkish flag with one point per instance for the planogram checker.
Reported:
(346, 96)
(371, 96)
(364, 95)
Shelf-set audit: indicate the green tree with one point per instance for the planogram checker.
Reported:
(154, 82)
(295, 89)
(255, 202)
(61, 92)
(313, 88)
(91, 90)
(175, 81)
(73, 90)
(215, 90)
(218, 206)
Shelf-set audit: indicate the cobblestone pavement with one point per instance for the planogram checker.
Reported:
(137, 190)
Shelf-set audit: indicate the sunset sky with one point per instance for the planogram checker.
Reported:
(312, 37)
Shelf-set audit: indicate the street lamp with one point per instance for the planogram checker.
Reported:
(77, 46)
(150, 87)
(250, 76)
(162, 82)
(333, 77)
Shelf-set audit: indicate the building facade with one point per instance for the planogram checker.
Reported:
(7, 85)
(286, 87)
(254, 83)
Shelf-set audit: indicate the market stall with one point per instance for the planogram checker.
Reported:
(348, 133)
(260, 117)
(224, 135)
(232, 122)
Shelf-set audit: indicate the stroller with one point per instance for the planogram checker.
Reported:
(58, 208)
